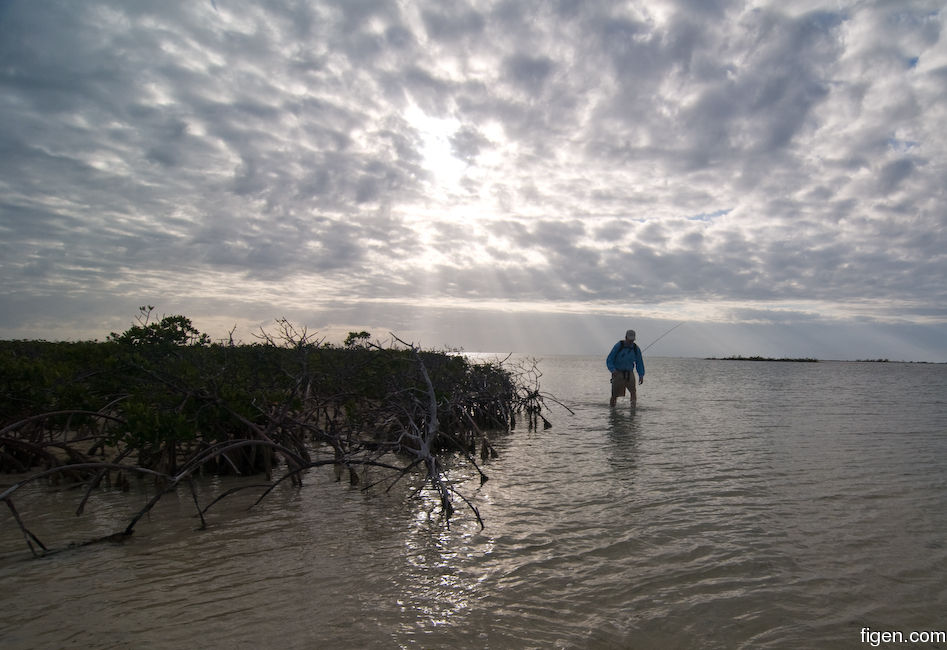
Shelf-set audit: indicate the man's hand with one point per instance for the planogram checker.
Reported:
(640, 380)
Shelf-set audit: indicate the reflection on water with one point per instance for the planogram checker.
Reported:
(742, 505)
(622, 438)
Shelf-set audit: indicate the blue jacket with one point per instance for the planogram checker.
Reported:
(623, 357)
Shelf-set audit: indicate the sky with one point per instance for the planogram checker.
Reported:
(765, 177)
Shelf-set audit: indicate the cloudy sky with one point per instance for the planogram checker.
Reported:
(522, 175)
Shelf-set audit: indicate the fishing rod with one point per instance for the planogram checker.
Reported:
(662, 336)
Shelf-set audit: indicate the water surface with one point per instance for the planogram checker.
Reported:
(742, 505)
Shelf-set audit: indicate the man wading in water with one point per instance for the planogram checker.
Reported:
(621, 361)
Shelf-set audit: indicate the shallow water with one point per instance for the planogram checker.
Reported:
(742, 505)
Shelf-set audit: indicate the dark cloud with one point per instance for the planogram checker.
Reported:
(893, 173)
(528, 73)
(452, 21)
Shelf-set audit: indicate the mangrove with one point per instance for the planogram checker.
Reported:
(161, 402)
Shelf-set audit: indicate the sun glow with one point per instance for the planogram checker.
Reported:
(445, 169)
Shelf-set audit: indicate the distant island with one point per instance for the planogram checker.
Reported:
(800, 360)
(757, 358)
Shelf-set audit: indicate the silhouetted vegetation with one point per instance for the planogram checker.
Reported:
(160, 401)
(758, 358)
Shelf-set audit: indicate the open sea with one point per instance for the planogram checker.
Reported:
(744, 504)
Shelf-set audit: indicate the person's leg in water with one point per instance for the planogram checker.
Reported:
(618, 387)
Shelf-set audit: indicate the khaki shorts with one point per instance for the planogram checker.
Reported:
(621, 380)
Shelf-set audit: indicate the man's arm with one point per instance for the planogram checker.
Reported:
(610, 359)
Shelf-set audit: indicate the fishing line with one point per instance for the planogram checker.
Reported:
(662, 336)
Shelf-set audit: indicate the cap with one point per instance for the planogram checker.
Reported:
(630, 335)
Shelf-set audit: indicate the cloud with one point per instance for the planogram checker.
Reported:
(721, 162)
